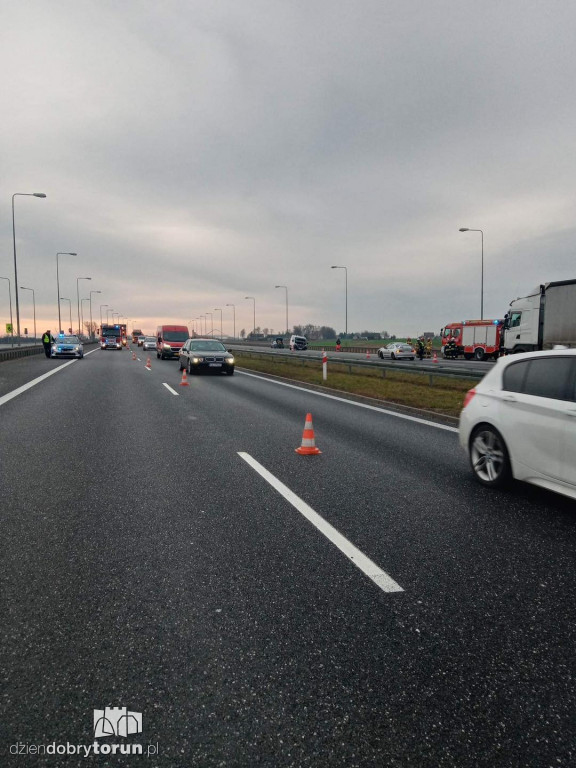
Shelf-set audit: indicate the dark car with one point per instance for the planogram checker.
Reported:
(278, 343)
(206, 355)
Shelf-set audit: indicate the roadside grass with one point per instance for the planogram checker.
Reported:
(445, 396)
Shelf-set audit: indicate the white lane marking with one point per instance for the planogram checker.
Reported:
(353, 402)
(378, 576)
(25, 387)
(169, 388)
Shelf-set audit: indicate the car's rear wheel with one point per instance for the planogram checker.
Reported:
(479, 354)
(489, 457)
(381, 355)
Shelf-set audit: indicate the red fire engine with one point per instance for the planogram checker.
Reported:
(476, 339)
(112, 336)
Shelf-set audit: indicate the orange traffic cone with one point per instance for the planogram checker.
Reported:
(133, 355)
(367, 354)
(435, 358)
(184, 382)
(148, 364)
(308, 447)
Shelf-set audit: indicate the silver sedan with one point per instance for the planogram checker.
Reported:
(397, 351)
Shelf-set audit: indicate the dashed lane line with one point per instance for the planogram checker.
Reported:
(360, 560)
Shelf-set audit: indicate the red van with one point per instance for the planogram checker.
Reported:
(170, 340)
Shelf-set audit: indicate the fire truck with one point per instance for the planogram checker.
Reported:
(478, 339)
(112, 336)
(135, 333)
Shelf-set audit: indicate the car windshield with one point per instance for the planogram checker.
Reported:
(207, 346)
(150, 339)
(111, 332)
(175, 335)
(68, 340)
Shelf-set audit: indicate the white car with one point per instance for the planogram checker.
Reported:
(397, 350)
(520, 422)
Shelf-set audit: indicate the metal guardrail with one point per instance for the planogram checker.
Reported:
(384, 366)
(14, 352)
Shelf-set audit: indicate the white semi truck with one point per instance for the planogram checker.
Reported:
(543, 319)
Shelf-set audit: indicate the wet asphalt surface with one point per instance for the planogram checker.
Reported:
(147, 565)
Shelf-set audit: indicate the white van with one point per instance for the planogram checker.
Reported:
(298, 343)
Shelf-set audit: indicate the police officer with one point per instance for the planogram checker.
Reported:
(47, 341)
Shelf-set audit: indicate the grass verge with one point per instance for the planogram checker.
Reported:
(410, 389)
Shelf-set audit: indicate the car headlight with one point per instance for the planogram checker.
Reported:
(197, 359)
(230, 360)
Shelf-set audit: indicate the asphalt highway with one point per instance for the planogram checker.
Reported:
(167, 550)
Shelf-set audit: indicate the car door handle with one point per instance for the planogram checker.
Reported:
(509, 398)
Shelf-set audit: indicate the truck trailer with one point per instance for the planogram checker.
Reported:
(543, 319)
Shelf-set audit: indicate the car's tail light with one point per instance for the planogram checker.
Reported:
(468, 397)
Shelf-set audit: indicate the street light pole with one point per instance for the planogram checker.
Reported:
(10, 300)
(234, 316)
(286, 289)
(254, 300)
(78, 297)
(217, 309)
(91, 323)
(62, 298)
(346, 323)
(23, 288)
(467, 229)
(19, 194)
(60, 253)
(107, 318)
(82, 310)
(211, 324)
(102, 305)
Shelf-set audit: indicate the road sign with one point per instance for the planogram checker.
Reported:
(9, 328)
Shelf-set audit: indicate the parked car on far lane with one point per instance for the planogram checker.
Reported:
(397, 350)
(206, 355)
(520, 422)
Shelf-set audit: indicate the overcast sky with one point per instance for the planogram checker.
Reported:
(194, 152)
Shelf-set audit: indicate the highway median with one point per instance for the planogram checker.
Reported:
(430, 392)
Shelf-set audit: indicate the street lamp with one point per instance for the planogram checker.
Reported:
(102, 305)
(217, 309)
(286, 289)
(10, 300)
(19, 194)
(91, 323)
(346, 323)
(467, 229)
(211, 324)
(203, 317)
(234, 316)
(61, 253)
(62, 298)
(82, 309)
(254, 300)
(107, 313)
(78, 297)
(23, 288)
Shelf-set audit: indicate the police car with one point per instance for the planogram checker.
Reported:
(67, 346)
